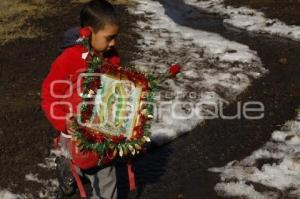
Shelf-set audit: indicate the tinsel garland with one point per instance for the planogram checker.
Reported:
(110, 147)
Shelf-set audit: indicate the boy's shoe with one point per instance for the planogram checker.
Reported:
(65, 176)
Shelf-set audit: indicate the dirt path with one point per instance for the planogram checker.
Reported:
(221, 141)
(25, 133)
(169, 171)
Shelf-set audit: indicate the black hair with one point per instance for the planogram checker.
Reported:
(98, 13)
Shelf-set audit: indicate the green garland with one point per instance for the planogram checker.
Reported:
(109, 148)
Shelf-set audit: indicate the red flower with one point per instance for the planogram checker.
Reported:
(85, 32)
(98, 138)
(118, 139)
(94, 85)
(174, 69)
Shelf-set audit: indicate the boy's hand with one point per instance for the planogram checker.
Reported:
(70, 120)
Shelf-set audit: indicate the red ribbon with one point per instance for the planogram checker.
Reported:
(131, 176)
(78, 181)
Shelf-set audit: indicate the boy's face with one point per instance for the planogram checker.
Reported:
(104, 39)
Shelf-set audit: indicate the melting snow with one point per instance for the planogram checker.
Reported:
(248, 19)
(214, 69)
(48, 186)
(5, 194)
(279, 175)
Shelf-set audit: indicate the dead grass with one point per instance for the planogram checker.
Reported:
(16, 18)
(121, 2)
(116, 2)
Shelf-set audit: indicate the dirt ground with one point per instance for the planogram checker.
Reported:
(176, 170)
(286, 10)
(25, 133)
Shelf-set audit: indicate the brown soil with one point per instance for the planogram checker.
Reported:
(173, 171)
(284, 10)
(221, 141)
(25, 133)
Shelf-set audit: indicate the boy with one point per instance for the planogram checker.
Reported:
(60, 97)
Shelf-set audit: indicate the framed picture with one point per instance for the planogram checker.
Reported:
(117, 106)
(115, 109)
(114, 113)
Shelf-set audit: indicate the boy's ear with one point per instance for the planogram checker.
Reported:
(90, 28)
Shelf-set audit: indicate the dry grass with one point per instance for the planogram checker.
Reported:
(121, 2)
(80, 1)
(16, 18)
(116, 2)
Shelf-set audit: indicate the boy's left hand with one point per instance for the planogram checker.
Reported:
(70, 120)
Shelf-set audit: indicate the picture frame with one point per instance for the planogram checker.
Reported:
(117, 106)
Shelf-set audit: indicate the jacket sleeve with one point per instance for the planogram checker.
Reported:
(54, 87)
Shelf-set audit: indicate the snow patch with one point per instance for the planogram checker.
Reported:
(215, 70)
(279, 173)
(248, 19)
(5, 194)
(50, 161)
(49, 186)
(239, 189)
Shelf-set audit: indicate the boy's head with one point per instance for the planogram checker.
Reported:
(101, 18)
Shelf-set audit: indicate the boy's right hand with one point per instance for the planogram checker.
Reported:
(70, 120)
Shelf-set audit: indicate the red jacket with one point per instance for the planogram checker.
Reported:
(59, 95)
